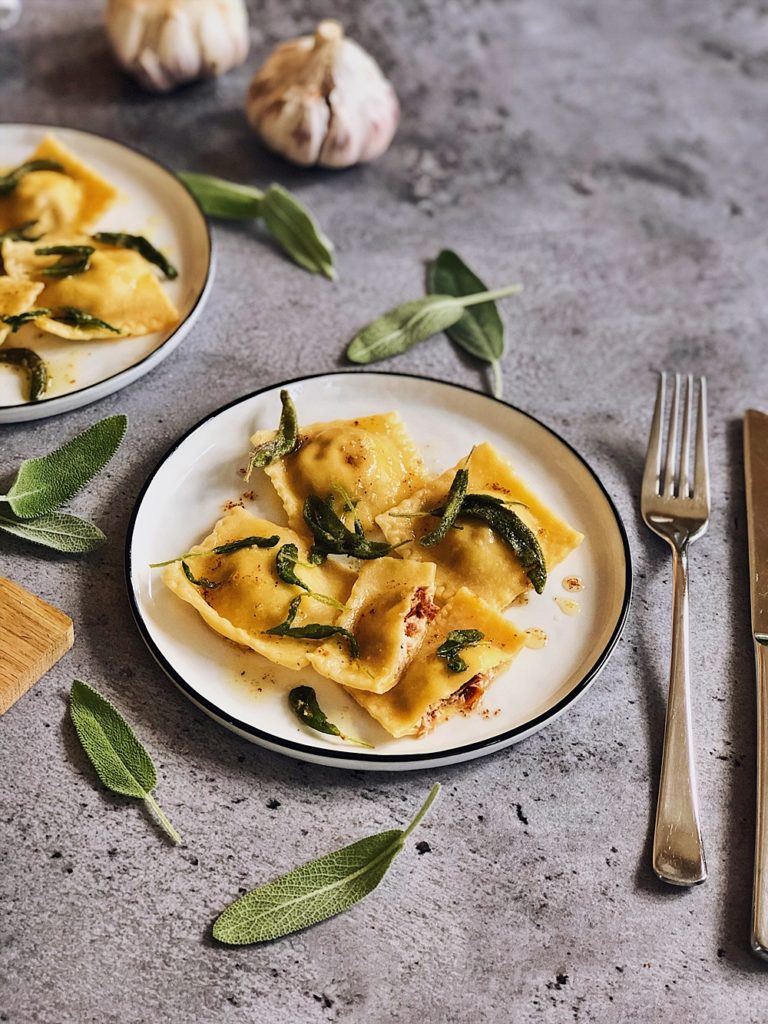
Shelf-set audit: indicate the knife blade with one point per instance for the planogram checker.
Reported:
(756, 479)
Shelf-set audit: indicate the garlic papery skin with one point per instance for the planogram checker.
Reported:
(323, 100)
(164, 43)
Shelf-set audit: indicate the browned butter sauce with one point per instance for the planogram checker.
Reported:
(567, 605)
(535, 638)
(573, 584)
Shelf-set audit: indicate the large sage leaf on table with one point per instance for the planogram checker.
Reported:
(57, 530)
(480, 330)
(114, 750)
(315, 891)
(43, 484)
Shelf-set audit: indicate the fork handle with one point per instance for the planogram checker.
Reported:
(678, 851)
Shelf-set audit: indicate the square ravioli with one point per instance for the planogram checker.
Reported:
(372, 459)
(120, 288)
(15, 297)
(248, 597)
(388, 612)
(429, 691)
(53, 200)
(474, 556)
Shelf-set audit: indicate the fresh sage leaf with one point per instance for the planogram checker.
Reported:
(114, 750)
(220, 198)
(311, 630)
(73, 259)
(203, 582)
(285, 567)
(316, 891)
(412, 322)
(283, 443)
(74, 317)
(58, 530)
(11, 179)
(332, 537)
(222, 549)
(297, 232)
(456, 641)
(303, 702)
(43, 484)
(480, 331)
(30, 363)
(142, 246)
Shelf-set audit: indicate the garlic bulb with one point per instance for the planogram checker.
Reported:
(166, 42)
(323, 100)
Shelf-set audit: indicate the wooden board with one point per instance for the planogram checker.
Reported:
(33, 636)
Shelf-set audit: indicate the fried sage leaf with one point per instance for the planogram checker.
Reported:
(316, 891)
(511, 528)
(74, 317)
(480, 330)
(311, 630)
(73, 259)
(406, 325)
(303, 702)
(285, 566)
(283, 443)
(223, 549)
(29, 362)
(295, 229)
(142, 246)
(43, 484)
(114, 750)
(11, 179)
(203, 581)
(456, 641)
(57, 530)
(16, 321)
(332, 537)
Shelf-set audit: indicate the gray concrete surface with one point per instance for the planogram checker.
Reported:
(612, 156)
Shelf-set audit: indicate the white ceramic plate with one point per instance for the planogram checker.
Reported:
(241, 690)
(153, 202)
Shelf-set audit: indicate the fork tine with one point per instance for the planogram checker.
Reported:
(701, 477)
(669, 469)
(684, 490)
(653, 457)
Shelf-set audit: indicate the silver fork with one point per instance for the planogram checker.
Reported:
(677, 509)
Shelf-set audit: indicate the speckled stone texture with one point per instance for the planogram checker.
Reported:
(611, 156)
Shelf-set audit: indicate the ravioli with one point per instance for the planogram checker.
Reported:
(250, 598)
(74, 199)
(373, 459)
(15, 297)
(429, 692)
(474, 556)
(119, 287)
(387, 612)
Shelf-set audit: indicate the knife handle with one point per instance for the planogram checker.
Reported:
(760, 889)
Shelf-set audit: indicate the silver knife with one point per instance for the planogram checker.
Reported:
(756, 475)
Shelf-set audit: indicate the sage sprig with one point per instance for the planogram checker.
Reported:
(288, 221)
(18, 320)
(114, 750)
(457, 641)
(74, 317)
(303, 702)
(317, 890)
(480, 330)
(141, 245)
(286, 560)
(44, 484)
(311, 630)
(332, 537)
(73, 259)
(203, 581)
(222, 549)
(286, 438)
(412, 322)
(28, 362)
(11, 179)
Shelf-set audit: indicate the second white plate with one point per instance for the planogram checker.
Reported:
(199, 476)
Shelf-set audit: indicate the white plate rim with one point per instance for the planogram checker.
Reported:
(79, 397)
(379, 762)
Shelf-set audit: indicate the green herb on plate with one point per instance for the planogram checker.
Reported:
(74, 317)
(332, 537)
(289, 222)
(285, 441)
(457, 641)
(114, 750)
(18, 320)
(140, 245)
(28, 362)
(456, 493)
(286, 560)
(73, 259)
(11, 179)
(303, 702)
(311, 630)
(412, 322)
(512, 530)
(480, 330)
(203, 582)
(222, 549)
(316, 891)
